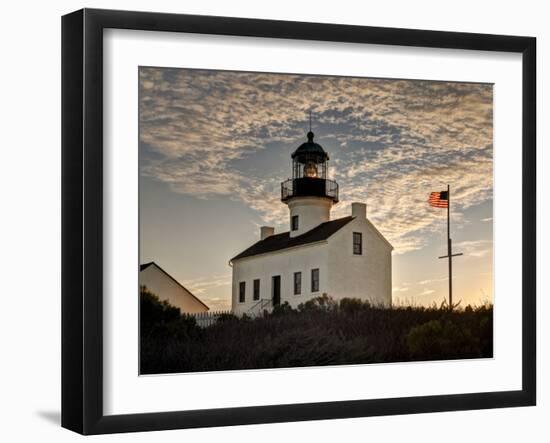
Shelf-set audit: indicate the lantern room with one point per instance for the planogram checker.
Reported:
(309, 160)
(309, 173)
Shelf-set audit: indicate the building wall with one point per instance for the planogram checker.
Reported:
(367, 276)
(342, 274)
(167, 289)
(285, 263)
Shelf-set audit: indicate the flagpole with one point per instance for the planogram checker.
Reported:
(449, 247)
(436, 201)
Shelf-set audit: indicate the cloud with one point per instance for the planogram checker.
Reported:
(205, 289)
(205, 284)
(475, 248)
(391, 142)
(434, 280)
(400, 289)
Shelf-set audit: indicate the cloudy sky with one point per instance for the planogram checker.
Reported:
(215, 145)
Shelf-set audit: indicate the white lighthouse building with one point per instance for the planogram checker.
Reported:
(343, 258)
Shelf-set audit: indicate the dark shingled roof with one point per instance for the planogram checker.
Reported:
(146, 265)
(284, 240)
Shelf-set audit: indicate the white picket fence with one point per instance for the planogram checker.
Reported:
(205, 319)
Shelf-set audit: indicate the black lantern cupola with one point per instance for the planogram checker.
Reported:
(309, 160)
(309, 173)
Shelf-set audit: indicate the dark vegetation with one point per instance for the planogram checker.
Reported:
(320, 332)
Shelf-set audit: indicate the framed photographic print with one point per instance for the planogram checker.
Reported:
(269, 221)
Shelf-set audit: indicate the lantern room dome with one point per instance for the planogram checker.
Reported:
(310, 149)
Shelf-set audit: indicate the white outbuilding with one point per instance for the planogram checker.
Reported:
(167, 288)
(343, 258)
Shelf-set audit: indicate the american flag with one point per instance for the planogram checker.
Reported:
(439, 199)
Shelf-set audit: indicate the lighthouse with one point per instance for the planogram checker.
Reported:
(345, 257)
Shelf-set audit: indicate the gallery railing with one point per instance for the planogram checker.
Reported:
(309, 187)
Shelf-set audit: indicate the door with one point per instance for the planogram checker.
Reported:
(276, 290)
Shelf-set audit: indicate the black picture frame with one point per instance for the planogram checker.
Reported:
(82, 219)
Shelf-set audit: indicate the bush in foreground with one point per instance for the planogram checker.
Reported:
(320, 332)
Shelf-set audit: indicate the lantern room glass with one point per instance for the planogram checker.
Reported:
(310, 166)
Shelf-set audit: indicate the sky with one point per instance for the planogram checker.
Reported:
(214, 147)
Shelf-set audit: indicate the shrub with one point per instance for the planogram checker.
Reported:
(154, 312)
(351, 305)
(441, 339)
(320, 332)
(162, 327)
(282, 309)
(322, 303)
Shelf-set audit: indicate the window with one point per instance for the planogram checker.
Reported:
(315, 280)
(256, 295)
(357, 243)
(294, 223)
(297, 283)
(242, 289)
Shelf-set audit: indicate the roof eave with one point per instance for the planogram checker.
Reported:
(281, 250)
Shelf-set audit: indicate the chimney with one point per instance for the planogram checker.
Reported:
(359, 210)
(266, 231)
